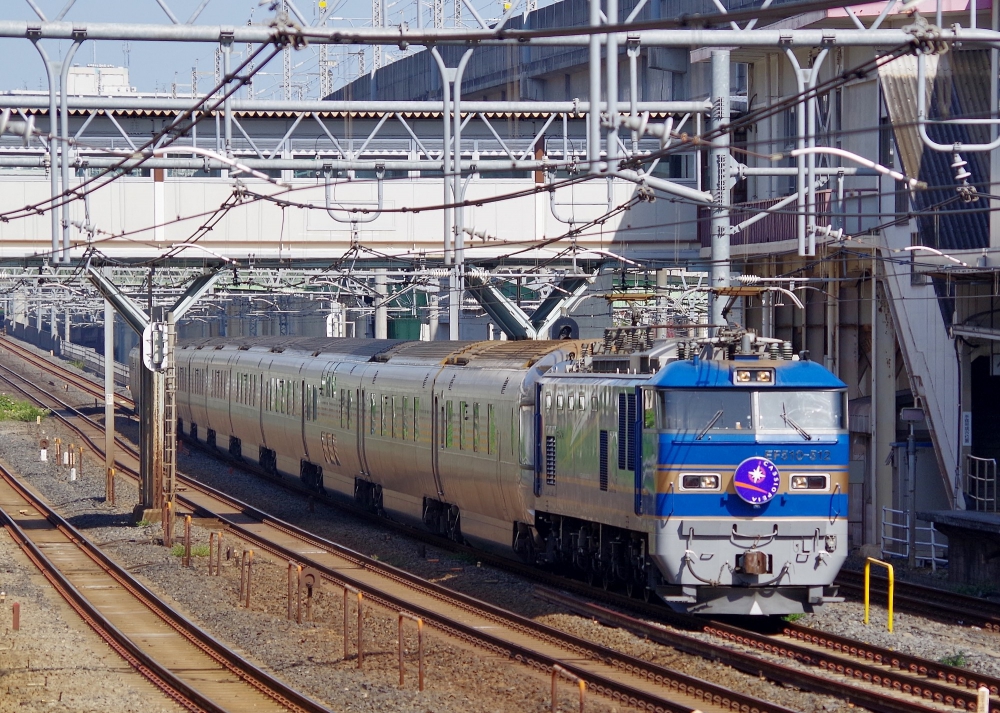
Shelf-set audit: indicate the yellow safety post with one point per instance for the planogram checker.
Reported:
(892, 581)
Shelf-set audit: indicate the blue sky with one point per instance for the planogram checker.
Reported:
(157, 66)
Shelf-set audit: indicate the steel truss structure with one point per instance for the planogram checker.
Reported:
(602, 154)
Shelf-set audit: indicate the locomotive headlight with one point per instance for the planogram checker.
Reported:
(743, 376)
(809, 482)
(700, 482)
(764, 377)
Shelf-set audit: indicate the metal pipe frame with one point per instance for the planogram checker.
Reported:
(320, 165)
(65, 151)
(458, 281)
(611, 56)
(125, 104)
(53, 154)
(688, 38)
(922, 121)
(718, 180)
(594, 65)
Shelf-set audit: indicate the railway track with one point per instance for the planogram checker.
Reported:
(616, 675)
(836, 657)
(847, 659)
(185, 663)
(68, 376)
(930, 601)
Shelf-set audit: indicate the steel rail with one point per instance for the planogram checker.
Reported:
(160, 679)
(609, 672)
(931, 601)
(909, 675)
(144, 659)
(59, 371)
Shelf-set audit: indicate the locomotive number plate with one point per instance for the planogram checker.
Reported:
(814, 454)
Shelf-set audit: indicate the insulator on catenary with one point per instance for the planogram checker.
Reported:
(773, 348)
(786, 351)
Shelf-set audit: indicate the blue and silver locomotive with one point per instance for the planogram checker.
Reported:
(717, 483)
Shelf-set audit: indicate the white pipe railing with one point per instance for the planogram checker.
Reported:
(895, 536)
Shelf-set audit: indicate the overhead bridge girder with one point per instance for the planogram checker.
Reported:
(512, 320)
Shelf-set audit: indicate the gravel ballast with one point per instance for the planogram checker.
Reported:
(55, 661)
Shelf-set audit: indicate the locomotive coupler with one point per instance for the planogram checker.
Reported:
(754, 562)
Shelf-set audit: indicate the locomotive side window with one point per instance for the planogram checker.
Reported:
(329, 385)
(463, 414)
(309, 407)
(371, 414)
(475, 427)
(416, 418)
(491, 428)
(449, 425)
(648, 408)
(403, 416)
(397, 418)
(707, 410)
(341, 408)
(527, 440)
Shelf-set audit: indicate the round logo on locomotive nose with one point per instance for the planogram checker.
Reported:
(757, 480)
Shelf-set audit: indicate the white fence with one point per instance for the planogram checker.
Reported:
(981, 484)
(896, 540)
(93, 361)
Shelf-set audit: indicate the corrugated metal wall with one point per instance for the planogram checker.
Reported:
(957, 87)
(491, 68)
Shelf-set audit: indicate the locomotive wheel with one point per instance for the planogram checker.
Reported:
(591, 576)
(647, 594)
(606, 581)
(630, 588)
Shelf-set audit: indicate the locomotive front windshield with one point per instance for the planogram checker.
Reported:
(708, 411)
(806, 410)
(711, 410)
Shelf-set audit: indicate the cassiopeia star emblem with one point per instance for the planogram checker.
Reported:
(757, 480)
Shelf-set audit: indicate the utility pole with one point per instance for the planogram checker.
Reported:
(325, 85)
(286, 64)
(378, 20)
(718, 182)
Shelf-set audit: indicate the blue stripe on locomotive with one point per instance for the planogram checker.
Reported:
(828, 505)
(681, 453)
